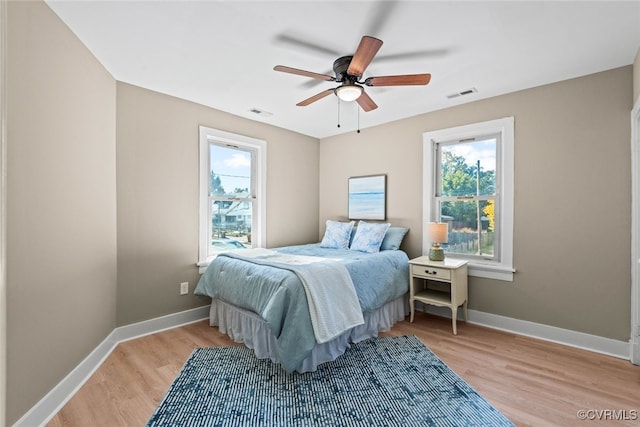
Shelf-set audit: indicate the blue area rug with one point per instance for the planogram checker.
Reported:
(391, 381)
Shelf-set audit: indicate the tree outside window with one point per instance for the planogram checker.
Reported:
(466, 195)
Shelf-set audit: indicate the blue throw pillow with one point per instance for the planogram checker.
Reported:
(369, 237)
(393, 238)
(337, 235)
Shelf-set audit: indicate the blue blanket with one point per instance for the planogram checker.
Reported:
(333, 303)
(278, 296)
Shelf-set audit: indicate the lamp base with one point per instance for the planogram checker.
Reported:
(436, 253)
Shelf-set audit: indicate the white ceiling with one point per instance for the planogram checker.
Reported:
(222, 53)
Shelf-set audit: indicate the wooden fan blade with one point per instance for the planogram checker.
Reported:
(403, 80)
(416, 54)
(314, 98)
(367, 49)
(311, 74)
(366, 103)
(381, 16)
(306, 44)
(308, 84)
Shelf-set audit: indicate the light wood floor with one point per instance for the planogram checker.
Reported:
(533, 382)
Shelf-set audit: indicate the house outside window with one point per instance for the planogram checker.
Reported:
(468, 184)
(232, 189)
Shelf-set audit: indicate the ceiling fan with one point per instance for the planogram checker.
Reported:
(349, 70)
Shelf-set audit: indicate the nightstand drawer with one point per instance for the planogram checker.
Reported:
(430, 272)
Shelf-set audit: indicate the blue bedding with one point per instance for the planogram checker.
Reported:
(278, 296)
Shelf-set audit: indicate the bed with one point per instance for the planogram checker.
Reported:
(303, 305)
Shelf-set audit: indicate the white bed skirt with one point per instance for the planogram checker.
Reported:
(247, 327)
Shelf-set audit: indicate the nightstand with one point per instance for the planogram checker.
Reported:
(440, 283)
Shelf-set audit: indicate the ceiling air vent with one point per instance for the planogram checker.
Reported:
(463, 93)
(261, 112)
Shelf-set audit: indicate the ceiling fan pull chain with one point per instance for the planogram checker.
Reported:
(358, 109)
(338, 112)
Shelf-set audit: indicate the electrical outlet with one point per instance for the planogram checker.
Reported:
(184, 288)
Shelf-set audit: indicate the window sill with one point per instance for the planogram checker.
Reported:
(202, 265)
(488, 271)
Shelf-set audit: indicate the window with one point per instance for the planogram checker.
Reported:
(468, 183)
(465, 195)
(232, 189)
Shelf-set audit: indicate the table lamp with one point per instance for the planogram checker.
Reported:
(437, 233)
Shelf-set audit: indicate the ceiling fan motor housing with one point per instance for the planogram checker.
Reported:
(340, 67)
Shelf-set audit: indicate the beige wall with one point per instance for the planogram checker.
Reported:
(158, 196)
(61, 211)
(77, 265)
(572, 197)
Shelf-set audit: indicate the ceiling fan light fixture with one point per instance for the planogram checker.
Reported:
(349, 92)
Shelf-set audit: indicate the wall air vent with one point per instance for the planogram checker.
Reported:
(261, 112)
(463, 93)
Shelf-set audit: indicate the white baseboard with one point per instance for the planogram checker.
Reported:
(48, 406)
(608, 346)
(151, 326)
(44, 410)
(635, 351)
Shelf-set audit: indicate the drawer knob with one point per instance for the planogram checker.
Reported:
(431, 272)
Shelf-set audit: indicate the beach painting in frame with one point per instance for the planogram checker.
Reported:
(367, 197)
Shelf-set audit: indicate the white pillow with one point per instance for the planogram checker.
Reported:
(337, 235)
(369, 236)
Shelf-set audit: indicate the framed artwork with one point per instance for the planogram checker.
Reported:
(368, 197)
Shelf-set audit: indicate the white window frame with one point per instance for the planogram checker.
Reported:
(259, 147)
(501, 269)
